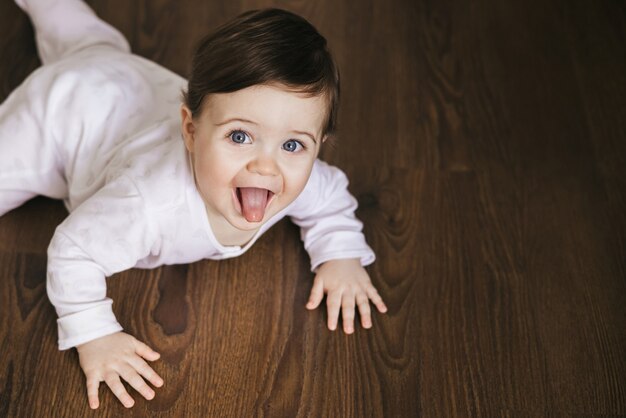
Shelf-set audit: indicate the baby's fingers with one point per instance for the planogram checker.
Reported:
(348, 312)
(372, 293)
(364, 310)
(131, 376)
(146, 352)
(146, 371)
(118, 389)
(333, 303)
(317, 293)
(92, 392)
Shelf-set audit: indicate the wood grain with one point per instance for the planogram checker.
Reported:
(486, 145)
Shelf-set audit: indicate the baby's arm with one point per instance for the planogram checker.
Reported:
(108, 233)
(333, 238)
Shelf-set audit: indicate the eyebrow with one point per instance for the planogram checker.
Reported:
(255, 123)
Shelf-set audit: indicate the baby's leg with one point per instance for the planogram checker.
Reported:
(29, 162)
(63, 27)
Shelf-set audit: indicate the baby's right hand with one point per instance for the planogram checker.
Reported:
(118, 355)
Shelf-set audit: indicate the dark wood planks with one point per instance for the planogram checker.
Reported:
(485, 143)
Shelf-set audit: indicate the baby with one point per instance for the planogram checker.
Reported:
(101, 129)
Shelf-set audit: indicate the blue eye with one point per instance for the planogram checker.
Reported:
(292, 145)
(239, 137)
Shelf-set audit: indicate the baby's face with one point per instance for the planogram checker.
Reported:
(253, 151)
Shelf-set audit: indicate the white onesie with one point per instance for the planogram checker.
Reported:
(100, 128)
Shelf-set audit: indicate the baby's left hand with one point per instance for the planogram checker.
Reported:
(345, 281)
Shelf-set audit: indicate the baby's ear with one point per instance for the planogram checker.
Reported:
(187, 127)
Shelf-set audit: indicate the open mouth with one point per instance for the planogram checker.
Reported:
(252, 202)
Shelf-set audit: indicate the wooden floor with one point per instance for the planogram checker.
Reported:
(486, 143)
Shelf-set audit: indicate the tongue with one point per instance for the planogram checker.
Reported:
(253, 202)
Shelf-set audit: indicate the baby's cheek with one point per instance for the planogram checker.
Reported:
(297, 181)
(207, 180)
(301, 185)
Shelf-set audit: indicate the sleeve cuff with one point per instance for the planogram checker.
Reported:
(87, 325)
(366, 258)
(340, 245)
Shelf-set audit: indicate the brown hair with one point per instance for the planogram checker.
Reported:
(264, 47)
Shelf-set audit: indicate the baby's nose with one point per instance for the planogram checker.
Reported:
(264, 165)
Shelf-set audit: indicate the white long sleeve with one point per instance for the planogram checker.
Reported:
(325, 214)
(97, 240)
